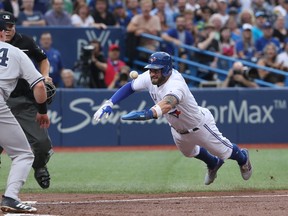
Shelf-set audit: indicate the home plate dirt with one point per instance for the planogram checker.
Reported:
(255, 203)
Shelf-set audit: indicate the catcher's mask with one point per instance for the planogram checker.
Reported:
(161, 60)
(51, 91)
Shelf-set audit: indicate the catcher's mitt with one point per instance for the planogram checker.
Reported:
(51, 91)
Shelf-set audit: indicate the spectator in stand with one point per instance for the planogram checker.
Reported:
(245, 47)
(53, 56)
(57, 16)
(246, 16)
(68, 79)
(133, 8)
(269, 59)
(279, 9)
(279, 30)
(207, 41)
(27, 17)
(82, 18)
(144, 23)
(98, 66)
(264, 6)
(42, 6)
(77, 3)
(232, 25)
(238, 76)
(222, 9)
(203, 17)
(266, 39)
(170, 8)
(113, 64)
(121, 15)
(282, 58)
(176, 37)
(121, 78)
(102, 15)
(12, 6)
(218, 24)
(260, 20)
(181, 7)
(227, 47)
(166, 15)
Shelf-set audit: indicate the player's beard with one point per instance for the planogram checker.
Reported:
(158, 81)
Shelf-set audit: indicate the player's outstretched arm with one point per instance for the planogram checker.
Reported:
(119, 95)
(154, 112)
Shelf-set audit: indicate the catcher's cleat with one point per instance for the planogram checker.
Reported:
(246, 169)
(9, 205)
(211, 175)
(42, 176)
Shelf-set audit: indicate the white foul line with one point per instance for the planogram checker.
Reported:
(160, 199)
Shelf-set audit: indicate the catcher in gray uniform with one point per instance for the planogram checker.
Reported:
(15, 64)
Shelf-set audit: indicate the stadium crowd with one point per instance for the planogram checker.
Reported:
(250, 30)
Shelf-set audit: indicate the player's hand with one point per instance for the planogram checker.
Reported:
(106, 109)
(43, 120)
(138, 115)
(48, 79)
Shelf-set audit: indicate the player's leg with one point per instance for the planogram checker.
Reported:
(38, 137)
(190, 149)
(220, 146)
(15, 144)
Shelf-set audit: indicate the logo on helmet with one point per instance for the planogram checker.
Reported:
(152, 59)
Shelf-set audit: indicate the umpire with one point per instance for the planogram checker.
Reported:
(22, 102)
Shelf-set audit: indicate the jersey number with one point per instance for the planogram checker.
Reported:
(3, 56)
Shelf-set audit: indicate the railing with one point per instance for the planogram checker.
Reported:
(193, 65)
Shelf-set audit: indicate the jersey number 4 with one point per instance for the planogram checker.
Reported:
(3, 56)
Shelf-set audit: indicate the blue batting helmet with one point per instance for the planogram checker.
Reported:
(160, 60)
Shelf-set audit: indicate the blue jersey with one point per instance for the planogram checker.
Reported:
(56, 65)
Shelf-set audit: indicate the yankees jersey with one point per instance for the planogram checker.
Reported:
(15, 64)
(187, 114)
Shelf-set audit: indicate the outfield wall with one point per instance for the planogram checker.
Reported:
(244, 116)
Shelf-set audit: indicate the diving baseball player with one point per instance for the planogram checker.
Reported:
(15, 64)
(193, 127)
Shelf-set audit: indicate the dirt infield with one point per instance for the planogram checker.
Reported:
(250, 203)
(241, 203)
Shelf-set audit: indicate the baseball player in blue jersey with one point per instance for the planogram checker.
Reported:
(15, 64)
(193, 127)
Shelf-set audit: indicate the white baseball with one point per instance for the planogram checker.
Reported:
(133, 74)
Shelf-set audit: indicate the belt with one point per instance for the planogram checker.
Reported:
(187, 131)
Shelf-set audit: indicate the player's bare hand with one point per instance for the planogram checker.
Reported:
(48, 79)
(43, 120)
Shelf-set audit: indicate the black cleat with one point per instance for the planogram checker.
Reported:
(42, 176)
(9, 205)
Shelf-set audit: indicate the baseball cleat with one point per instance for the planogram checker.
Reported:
(9, 205)
(42, 176)
(211, 175)
(246, 169)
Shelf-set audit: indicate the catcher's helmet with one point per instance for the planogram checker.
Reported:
(161, 60)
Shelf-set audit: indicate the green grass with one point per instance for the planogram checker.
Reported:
(152, 172)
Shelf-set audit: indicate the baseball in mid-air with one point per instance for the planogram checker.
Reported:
(133, 74)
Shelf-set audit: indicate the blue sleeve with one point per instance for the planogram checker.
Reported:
(122, 93)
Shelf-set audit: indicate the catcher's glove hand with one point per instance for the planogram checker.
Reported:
(51, 91)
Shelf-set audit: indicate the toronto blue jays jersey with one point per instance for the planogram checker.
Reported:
(187, 113)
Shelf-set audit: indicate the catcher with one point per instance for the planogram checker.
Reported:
(22, 102)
